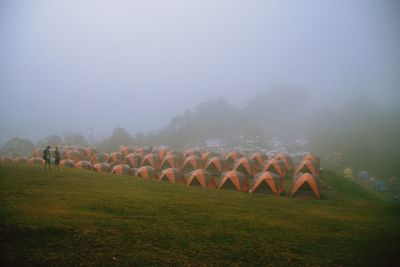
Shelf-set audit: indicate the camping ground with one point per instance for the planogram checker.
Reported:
(75, 217)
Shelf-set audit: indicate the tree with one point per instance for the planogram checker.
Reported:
(366, 135)
(75, 139)
(52, 140)
(119, 137)
(16, 147)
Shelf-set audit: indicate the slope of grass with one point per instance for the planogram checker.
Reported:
(76, 217)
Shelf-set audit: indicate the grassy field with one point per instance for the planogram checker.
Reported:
(76, 217)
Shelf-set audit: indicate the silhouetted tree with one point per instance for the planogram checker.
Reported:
(75, 139)
(119, 137)
(51, 140)
(16, 147)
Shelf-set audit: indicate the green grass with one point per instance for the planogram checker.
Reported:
(76, 217)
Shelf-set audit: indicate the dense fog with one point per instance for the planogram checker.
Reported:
(186, 71)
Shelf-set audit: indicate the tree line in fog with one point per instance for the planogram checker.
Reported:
(364, 133)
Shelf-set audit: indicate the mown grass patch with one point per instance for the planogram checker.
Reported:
(75, 217)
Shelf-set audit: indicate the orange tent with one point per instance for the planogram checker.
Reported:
(177, 154)
(171, 161)
(172, 175)
(125, 150)
(202, 178)
(232, 156)
(74, 155)
(312, 157)
(266, 182)
(216, 165)
(234, 180)
(191, 163)
(151, 160)
(306, 184)
(133, 160)
(99, 158)
(67, 163)
(206, 155)
(116, 157)
(192, 152)
(143, 151)
(146, 172)
(245, 166)
(37, 152)
(36, 160)
(90, 151)
(276, 166)
(160, 152)
(20, 159)
(307, 166)
(121, 169)
(83, 165)
(259, 158)
(102, 167)
(286, 159)
(82, 152)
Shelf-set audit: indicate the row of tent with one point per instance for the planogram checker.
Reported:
(244, 173)
(363, 175)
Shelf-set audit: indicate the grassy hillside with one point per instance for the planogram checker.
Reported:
(76, 217)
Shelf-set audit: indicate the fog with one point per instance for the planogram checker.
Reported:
(81, 65)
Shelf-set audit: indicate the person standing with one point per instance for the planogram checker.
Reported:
(57, 158)
(46, 157)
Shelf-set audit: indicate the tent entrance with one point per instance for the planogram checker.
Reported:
(165, 179)
(213, 169)
(195, 182)
(228, 185)
(166, 165)
(243, 170)
(263, 188)
(305, 191)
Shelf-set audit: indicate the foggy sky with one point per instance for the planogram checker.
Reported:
(76, 65)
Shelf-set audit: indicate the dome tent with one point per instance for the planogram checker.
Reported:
(266, 183)
(151, 160)
(36, 160)
(276, 166)
(232, 156)
(116, 157)
(259, 158)
(307, 166)
(172, 175)
(83, 165)
(146, 172)
(191, 163)
(216, 166)
(67, 163)
(245, 166)
(99, 158)
(102, 167)
(306, 184)
(234, 180)
(121, 169)
(133, 160)
(348, 173)
(171, 161)
(286, 159)
(202, 178)
(206, 155)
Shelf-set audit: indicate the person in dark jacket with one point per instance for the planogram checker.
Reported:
(57, 158)
(46, 157)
